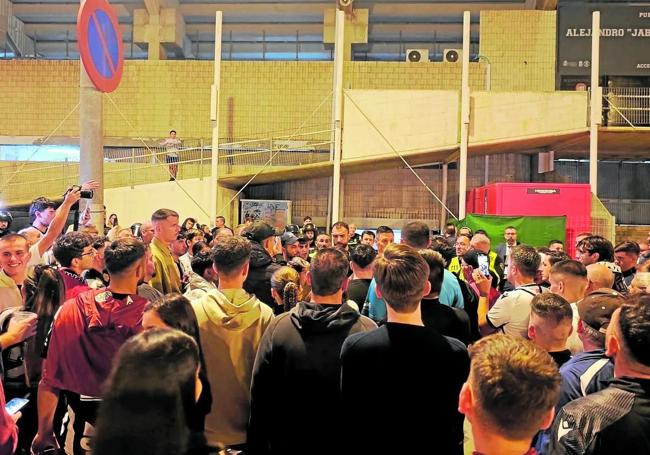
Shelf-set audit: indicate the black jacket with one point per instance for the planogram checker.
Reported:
(260, 271)
(295, 399)
(614, 420)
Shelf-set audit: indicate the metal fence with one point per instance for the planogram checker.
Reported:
(22, 181)
(626, 106)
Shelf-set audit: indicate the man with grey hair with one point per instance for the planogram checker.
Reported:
(481, 243)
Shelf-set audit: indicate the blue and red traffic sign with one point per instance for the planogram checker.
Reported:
(100, 44)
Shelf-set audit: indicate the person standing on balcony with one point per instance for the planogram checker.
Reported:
(171, 144)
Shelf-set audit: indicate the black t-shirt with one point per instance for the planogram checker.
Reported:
(399, 386)
(358, 290)
(448, 321)
(561, 357)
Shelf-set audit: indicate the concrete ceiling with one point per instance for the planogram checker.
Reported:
(274, 29)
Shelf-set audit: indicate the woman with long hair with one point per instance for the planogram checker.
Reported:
(149, 395)
(285, 287)
(44, 292)
(188, 224)
(175, 311)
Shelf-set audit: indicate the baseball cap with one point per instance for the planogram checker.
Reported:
(596, 309)
(288, 238)
(259, 231)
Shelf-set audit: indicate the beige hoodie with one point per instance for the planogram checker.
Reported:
(231, 324)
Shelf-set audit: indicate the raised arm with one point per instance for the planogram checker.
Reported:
(57, 224)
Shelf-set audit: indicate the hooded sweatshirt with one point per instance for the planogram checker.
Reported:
(295, 402)
(260, 270)
(231, 324)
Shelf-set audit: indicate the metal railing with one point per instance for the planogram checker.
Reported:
(22, 181)
(626, 106)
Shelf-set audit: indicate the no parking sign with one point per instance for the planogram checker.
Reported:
(100, 44)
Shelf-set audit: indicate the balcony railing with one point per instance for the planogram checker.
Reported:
(22, 181)
(626, 106)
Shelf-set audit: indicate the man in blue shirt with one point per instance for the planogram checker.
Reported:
(417, 235)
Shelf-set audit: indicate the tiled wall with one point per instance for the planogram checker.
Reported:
(520, 46)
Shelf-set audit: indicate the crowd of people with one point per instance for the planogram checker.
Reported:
(179, 338)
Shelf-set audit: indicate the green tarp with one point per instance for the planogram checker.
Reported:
(532, 230)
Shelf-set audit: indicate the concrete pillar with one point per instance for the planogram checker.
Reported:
(91, 141)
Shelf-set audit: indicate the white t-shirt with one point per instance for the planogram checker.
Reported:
(172, 146)
(36, 258)
(511, 312)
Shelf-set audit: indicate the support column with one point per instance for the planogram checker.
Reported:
(596, 102)
(91, 142)
(445, 184)
(214, 118)
(337, 112)
(464, 119)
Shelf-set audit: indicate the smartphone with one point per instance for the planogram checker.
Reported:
(484, 264)
(15, 405)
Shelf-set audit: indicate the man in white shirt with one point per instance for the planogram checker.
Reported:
(172, 144)
(510, 314)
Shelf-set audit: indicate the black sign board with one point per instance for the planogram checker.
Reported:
(624, 43)
(543, 191)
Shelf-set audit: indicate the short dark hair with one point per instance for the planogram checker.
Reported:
(416, 234)
(555, 241)
(341, 224)
(363, 255)
(191, 233)
(526, 258)
(634, 322)
(628, 247)
(516, 384)
(221, 217)
(122, 254)
(172, 131)
(99, 242)
(201, 262)
(450, 228)
(370, 233)
(163, 214)
(384, 230)
(70, 246)
(570, 267)
(447, 251)
(551, 307)
(329, 268)
(436, 269)
(597, 244)
(231, 254)
(306, 218)
(556, 256)
(40, 204)
(401, 274)
(197, 247)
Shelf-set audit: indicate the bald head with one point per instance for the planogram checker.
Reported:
(481, 242)
(599, 276)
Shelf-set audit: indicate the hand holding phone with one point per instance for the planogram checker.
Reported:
(484, 265)
(15, 405)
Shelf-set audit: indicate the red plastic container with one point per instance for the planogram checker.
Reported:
(572, 200)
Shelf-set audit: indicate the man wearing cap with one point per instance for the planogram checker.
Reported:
(589, 371)
(263, 249)
(290, 248)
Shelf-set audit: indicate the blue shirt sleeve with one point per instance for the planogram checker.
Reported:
(376, 306)
(450, 293)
